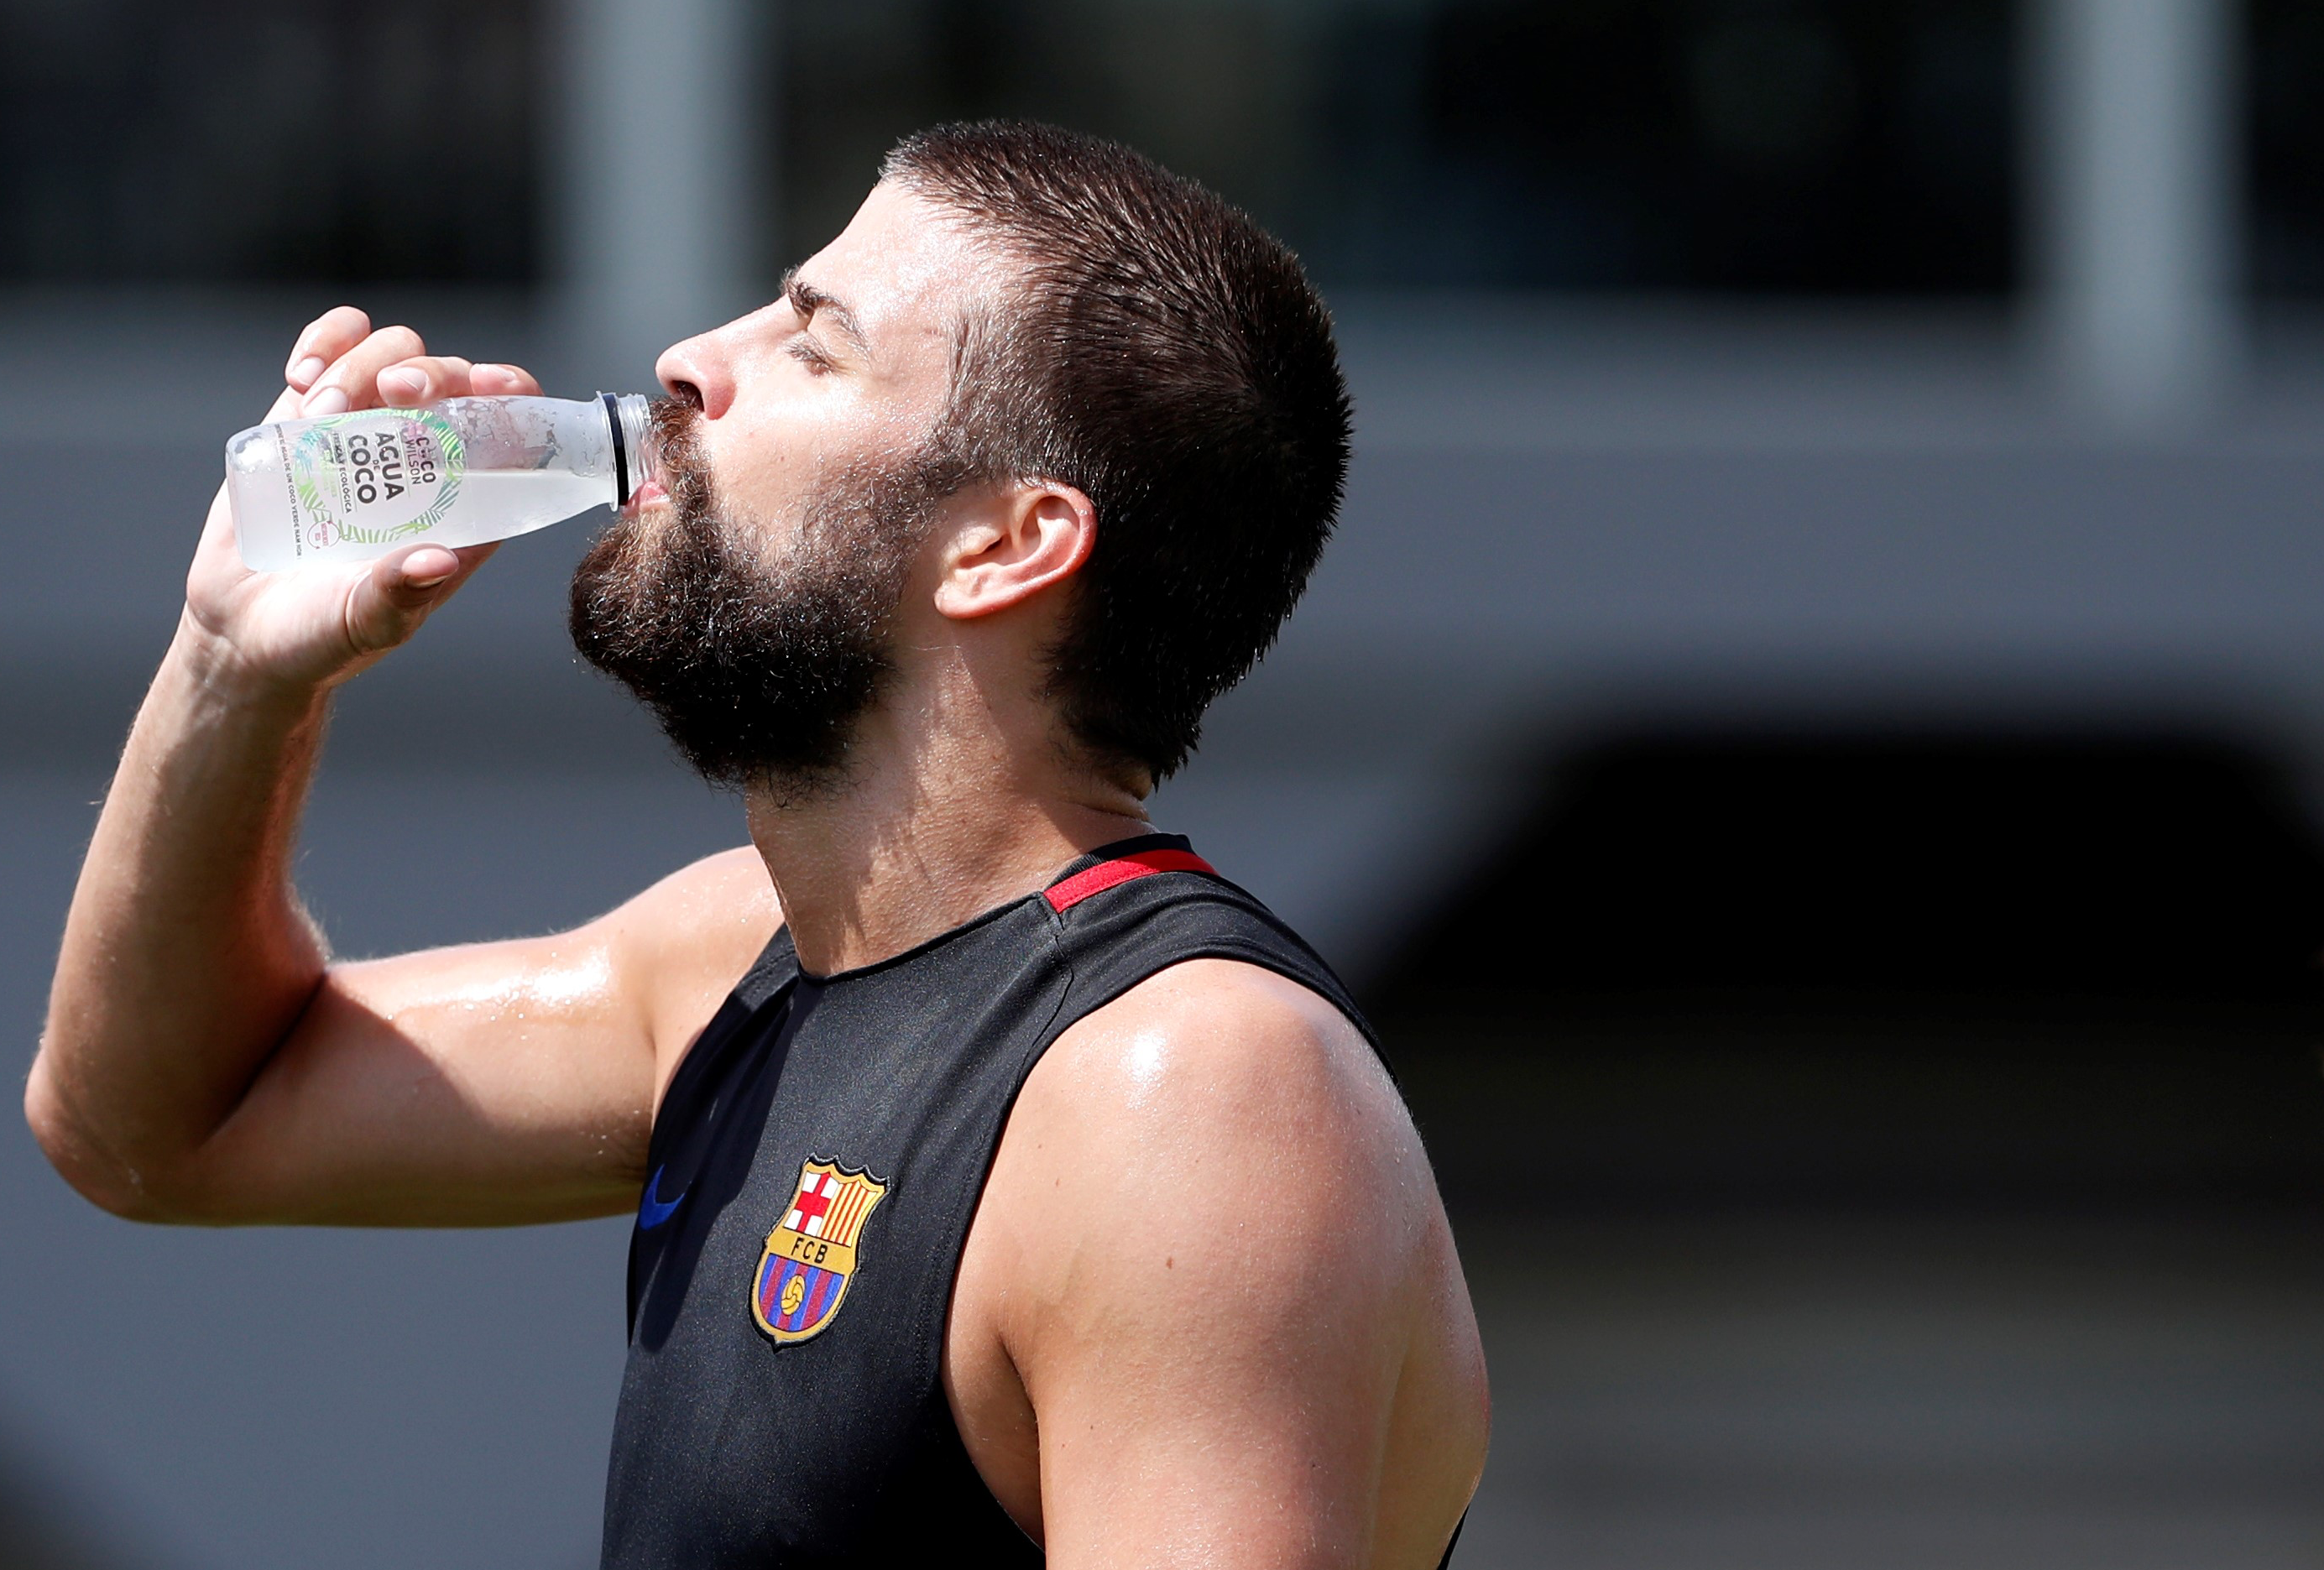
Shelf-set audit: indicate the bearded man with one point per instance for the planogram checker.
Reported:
(1006, 1182)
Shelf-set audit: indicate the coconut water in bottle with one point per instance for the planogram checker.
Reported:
(350, 487)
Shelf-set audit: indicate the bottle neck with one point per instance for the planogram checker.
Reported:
(635, 457)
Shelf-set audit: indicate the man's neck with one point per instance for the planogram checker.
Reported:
(937, 822)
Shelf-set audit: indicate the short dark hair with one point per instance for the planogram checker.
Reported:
(1168, 357)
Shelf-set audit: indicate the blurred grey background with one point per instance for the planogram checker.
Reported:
(1811, 739)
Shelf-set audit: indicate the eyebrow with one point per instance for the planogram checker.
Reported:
(807, 300)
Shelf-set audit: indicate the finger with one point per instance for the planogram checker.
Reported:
(386, 605)
(429, 566)
(352, 381)
(425, 380)
(389, 602)
(324, 340)
(503, 381)
(217, 561)
(218, 525)
(440, 569)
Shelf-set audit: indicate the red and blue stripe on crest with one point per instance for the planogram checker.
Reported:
(821, 1295)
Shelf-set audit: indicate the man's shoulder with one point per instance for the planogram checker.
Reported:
(1227, 1094)
(1212, 1030)
(680, 946)
(715, 913)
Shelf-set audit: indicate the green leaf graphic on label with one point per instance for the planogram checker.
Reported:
(375, 477)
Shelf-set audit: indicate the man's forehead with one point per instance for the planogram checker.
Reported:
(904, 266)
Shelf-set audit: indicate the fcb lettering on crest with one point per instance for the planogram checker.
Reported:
(810, 1256)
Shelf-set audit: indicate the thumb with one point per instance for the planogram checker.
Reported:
(394, 595)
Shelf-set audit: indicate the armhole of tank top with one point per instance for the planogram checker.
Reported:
(1297, 962)
(766, 976)
(1331, 990)
(929, 1330)
(1219, 889)
(1455, 1542)
(759, 985)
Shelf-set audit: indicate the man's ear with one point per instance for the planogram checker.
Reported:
(1022, 540)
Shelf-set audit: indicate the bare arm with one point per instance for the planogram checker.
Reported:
(202, 1059)
(1212, 1268)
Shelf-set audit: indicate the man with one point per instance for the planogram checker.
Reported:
(1033, 1189)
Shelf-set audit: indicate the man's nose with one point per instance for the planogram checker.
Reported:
(699, 370)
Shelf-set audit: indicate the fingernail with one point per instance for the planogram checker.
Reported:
(430, 576)
(304, 373)
(402, 384)
(324, 400)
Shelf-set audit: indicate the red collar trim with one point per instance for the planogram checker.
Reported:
(1063, 897)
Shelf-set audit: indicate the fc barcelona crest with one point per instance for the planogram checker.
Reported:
(810, 1256)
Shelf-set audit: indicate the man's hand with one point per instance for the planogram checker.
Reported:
(317, 625)
(203, 1060)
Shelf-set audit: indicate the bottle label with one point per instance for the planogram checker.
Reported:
(377, 477)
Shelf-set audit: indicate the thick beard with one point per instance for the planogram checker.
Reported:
(760, 664)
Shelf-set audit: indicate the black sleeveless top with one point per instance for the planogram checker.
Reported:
(814, 1166)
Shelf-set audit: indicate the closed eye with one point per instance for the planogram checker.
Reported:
(809, 353)
(807, 302)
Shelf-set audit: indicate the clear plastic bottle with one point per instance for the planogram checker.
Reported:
(349, 487)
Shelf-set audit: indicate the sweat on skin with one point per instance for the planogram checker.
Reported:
(205, 1060)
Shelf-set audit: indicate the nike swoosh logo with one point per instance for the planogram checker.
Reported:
(653, 1212)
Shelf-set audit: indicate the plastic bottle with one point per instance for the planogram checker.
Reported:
(349, 487)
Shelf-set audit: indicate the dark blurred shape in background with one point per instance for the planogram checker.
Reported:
(1816, 146)
(260, 141)
(2286, 156)
(1920, 971)
(1811, 739)
(1669, 144)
